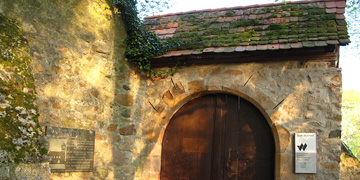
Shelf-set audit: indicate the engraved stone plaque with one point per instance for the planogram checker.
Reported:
(71, 150)
(305, 153)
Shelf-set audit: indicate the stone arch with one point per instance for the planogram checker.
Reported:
(179, 97)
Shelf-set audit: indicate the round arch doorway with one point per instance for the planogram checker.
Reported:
(218, 137)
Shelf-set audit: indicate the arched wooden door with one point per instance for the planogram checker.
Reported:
(218, 137)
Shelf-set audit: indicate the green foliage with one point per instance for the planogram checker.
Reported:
(20, 132)
(142, 44)
(353, 6)
(351, 120)
(151, 7)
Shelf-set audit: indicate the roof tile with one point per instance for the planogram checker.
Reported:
(253, 16)
(340, 4)
(178, 53)
(196, 52)
(332, 41)
(261, 47)
(320, 4)
(340, 11)
(240, 49)
(258, 27)
(292, 19)
(340, 16)
(296, 45)
(169, 54)
(173, 25)
(219, 50)
(210, 49)
(229, 49)
(285, 46)
(250, 48)
(330, 4)
(187, 52)
(274, 46)
(331, 10)
(344, 41)
(321, 43)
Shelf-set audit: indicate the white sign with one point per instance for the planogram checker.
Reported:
(305, 153)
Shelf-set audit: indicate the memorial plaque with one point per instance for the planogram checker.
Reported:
(305, 153)
(71, 150)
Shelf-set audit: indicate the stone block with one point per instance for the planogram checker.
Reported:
(4, 172)
(215, 71)
(124, 99)
(112, 127)
(264, 101)
(167, 96)
(126, 113)
(152, 134)
(234, 72)
(286, 170)
(309, 115)
(40, 68)
(57, 105)
(121, 157)
(175, 96)
(101, 47)
(152, 164)
(115, 138)
(31, 171)
(83, 175)
(128, 130)
(100, 136)
(283, 137)
(196, 86)
(177, 89)
(100, 173)
(335, 134)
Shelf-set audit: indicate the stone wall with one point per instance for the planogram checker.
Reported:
(350, 167)
(77, 53)
(311, 92)
(83, 81)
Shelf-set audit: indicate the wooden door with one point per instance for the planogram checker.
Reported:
(218, 137)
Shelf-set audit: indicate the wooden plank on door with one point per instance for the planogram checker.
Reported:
(187, 143)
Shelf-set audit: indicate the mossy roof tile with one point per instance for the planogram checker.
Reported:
(271, 26)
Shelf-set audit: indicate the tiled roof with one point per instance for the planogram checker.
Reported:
(275, 26)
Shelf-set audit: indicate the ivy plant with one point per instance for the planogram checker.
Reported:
(142, 44)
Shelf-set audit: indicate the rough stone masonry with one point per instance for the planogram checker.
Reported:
(84, 81)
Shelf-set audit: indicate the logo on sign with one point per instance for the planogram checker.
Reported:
(302, 146)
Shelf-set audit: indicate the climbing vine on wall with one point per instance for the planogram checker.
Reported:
(142, 44)
(20, 132)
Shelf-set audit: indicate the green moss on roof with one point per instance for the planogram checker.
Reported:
(287, 23)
